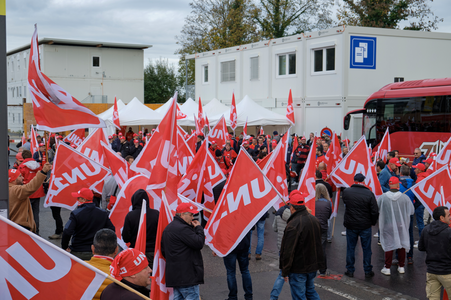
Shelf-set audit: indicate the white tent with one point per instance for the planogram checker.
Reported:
(214, 107)
(108, 114)
(256, 115)
(189, 108)
(136, 113)
(162, 110)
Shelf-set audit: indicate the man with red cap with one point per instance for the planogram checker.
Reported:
(40, 155)
(390, 170)
(301, 240)
(129, 134)
(125, 147)
(19, 160)
(395, 209)
(420, 171)
(83, 224)
(135, 149)
(20, 211)
(181, 245)
(131, 268)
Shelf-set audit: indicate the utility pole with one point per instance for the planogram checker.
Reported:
(4, 193)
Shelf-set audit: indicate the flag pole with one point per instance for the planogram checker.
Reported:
(127, 287)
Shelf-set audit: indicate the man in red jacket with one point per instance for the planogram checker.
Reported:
(29, 168)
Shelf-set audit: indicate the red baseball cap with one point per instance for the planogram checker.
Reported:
(135, 134)
(429, 161)
(296, 198)
(120, 133)
(13, 174)
(110, 137)
(114, 134)
(41, 144)
(420, 166)
(186, 207)
(122, 137)
(395, 161)
(140, 131)
(127, 263)
(19, 156)
(303, 138)
(148, 134)
(83, 193)
(268, 136)
(393, 180)
(135, 141)
(245, 143)
(213, 142)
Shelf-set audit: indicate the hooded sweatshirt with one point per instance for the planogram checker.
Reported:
(436, 241)
(29, 168)
(131, 224)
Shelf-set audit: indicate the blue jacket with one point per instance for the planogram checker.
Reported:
(407, 183)
(414, 163)
(384, 177)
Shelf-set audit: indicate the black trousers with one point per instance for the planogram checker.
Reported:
(35, 207)
(56, 214)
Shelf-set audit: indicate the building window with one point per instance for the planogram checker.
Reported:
(287, 64)
(96, 61)
(228, 71)
(324, 60)
(205, 74)
(254, 68)
(13, 91)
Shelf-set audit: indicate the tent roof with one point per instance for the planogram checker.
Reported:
(136, 113)
(256, 115)
(189, 108)
(162, 110)
(215, 107)
(108, 114)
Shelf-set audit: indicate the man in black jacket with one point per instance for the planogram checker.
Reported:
(131, 224)
(360, 214)
(83, 224)
(181, 245)
(436, 240)
(301, 253)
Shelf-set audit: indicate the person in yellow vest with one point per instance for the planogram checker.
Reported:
(104, 249)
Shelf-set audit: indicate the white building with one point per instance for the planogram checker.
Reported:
(92, 72)
(330, 72)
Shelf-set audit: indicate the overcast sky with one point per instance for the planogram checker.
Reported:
(153, 22)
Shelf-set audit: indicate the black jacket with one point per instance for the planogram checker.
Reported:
(181, 246)
(436, 241)
(301, 250)
(135, 151)
(327, 185)
(115, 292)
(125, 149)
(116, 145)
(83, 224)
(361, 207)
(323, 210)
(131, 223)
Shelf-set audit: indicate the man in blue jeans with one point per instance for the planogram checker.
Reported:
(260, 237)
(301, 252)
(361, 212)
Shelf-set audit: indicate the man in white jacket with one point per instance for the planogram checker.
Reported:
(395, 209)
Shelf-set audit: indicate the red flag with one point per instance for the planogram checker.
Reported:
(92, 148)
(159, 291)
(207, 122)
(357, 161)
(333, 155)
(295, 146)
(434, 190)
(54, 108)
(184, 154)
(33, 268)
(290, 110)
(261, 131)
(212, 175)
(191, 142)
(198, 126)
(443, 158)
(24, 140)
(247, 195)
(384, 147)
(219, 133)
(116, 121)
(75, 137)
(245, 136)
(71, 172)
(180, 115)
(262, 163)
(124, 204)
(233, 114)
(142, 237)
(308, 179)
(120, 168)
(200, 115)
(33, 141)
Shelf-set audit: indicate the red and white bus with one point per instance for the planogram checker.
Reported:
(417, 113)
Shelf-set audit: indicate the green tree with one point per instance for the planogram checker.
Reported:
(388, 14)
(160, 81)
(279, 18)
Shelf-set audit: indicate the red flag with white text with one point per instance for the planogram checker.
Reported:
(443, 158)
(33, 268)
(142, 229)
(75, 137)
(71, 172)
(333, 155)
(219, 133)
(120, 168)
(384, 147)
(233, 114)
(116, 121)
(54, 108)
(290, 110)
(191, 142)
(261, 131)
(200, 115)
(34, 146)
(307, 182)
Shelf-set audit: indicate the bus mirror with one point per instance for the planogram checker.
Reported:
(346, 121)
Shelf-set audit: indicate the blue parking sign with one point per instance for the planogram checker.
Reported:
(363, 52)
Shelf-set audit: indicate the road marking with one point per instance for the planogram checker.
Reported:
(336, 292)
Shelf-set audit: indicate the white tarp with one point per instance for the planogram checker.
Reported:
(136, 113)
(162, 110)
(215, 107)
(108, 114)
(189, 108)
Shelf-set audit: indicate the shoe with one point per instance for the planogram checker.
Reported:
(401, 270)
(415, 246)
(379, 242)
(258, 257)
(369, 274)
(343, 233)
(394, 262)
(329, 241)
(322, 274)
(55, 236)
(376, 234)
(349, 274)
(249, 256)
(409, 260)
(385, 271)
(416, 242)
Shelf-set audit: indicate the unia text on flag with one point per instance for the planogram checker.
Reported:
(384, 147)
(307, 181)
(191, 142)
(434, 190)
(333, 155)
(142, 229)
(33, 268)
(184, 154)
(55, 109)
(246, 196)
(120, 168)
(158, 290)
(357, 160)
(443, 157)
(75, 137)
(219, 133)
(233, 114)
(290, 109)
(71, 172)
(116, 121)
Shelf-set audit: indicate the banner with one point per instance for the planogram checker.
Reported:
(384, 147)
(290, 110)
(219, 133)
(233, 114)
(75, 137)
(34, 146)
(307, 182)
(116, 121)
(443, 158)
(120, 168)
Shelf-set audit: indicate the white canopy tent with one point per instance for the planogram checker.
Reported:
(162, 110)
(108, 114)
(215, 107)
(189, 108)
(136, 113)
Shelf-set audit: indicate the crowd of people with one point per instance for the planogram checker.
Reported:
(302, 237)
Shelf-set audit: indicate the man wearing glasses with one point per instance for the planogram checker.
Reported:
(418, 158)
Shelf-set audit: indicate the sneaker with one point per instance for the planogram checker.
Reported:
(416, 242)
(376, 235)
(379, 242)
(385, 271)
(401, 270)
(409, 260)
(329, 241)
(322, 274)
(394, 262)
(55, 236)
(349, 274)
(258, 256)
(369, 274)
(415, 246)
(343, 233)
